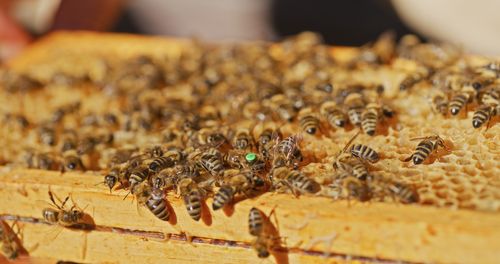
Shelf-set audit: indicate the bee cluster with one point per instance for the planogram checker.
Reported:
(233, 122)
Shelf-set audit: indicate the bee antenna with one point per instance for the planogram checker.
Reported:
(350, 141)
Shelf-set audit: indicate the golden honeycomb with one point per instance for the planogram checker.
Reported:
(466, 175)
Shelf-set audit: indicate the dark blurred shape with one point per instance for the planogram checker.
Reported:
(87, 15)
(353, 22)
(127, 24)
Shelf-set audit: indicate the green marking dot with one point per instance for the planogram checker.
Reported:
(250, 156)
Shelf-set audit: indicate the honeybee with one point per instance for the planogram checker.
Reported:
(352, 162)
(62, 216)
(263, 230)
(43, 161)
(282, 105)
(71, 161)
(440, 104)
(243, 182)
(334, 115)
(355, 104)
(47, 135)
(308, 122)
(364, 152)
(483, 114)
(427, 146)
(255, 222)
(68, 140)
(154, 200)
(9, 246)
(64, 110)
(295, 180)
(289, 147)
(369, 118)
(138, 175)
(169, 159)
(242, 139)
(461, 99)
(403, 192)
(212, 163)
(411, 80)
(354, 187)
(255, 162)
(233, 159)
(192, 195)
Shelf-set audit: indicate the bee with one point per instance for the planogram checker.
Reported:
(265, 137)
(334, 115)
(209, 137)
(161, 163)
(153, 152)
(364, 152)
(47, 135)
(483, 114)
(255, 221)
(289, 147)
(254, 162)
(282, 105)
(112, 178)
(411, 80)
(138, 175)
(233, 159)
(68, 140)
(243, 140)
(71, 161)
(355, 105)
(43, 161)
(259, 227)
(369, 118)
(9, 246)
(62, 111)
(86, 144)
(427, 146)
(295, 180)
(354, 187)
(62, 216)
(308, 122)
(440, 104)
(223, 197)
(243, 182)
(193, 197)
(212, 163)
(461, 99)
(351, 162)
(403, 192)
(157, 204)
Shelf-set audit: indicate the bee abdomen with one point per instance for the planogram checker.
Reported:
(457, 103)
(481, 115)
(423, 150)
(354, 115)
(301, 182)
(369, 122)
(50, 215)
(364, 152)
(255, 222)
(336, 118)
(161, 163)
(309, 124)
(359, 171)
(158, 206)
(223, 197)
(193, 204)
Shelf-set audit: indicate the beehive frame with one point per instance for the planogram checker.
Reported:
(356, 231)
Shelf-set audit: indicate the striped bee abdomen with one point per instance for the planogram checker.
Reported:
(223, 197)
(309, 124)
(369, 121)
(364, 152)
(193, 204)
(354, 115)
(255, 222)
(158, 206)
(481, 116)
(457, 103)
(423, 151)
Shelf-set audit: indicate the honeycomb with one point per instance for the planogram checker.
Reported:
(464, 175)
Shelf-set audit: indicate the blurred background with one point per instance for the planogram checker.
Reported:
(470, 24)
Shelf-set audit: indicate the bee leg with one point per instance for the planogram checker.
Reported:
(409, 158)
(294, 192)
